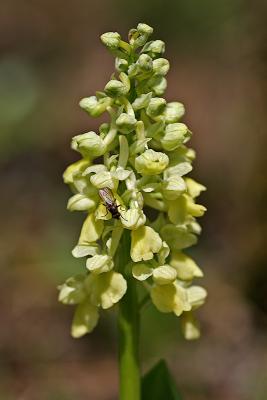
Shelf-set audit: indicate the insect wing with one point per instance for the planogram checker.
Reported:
(107, 196)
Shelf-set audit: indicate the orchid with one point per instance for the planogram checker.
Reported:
(140, 157)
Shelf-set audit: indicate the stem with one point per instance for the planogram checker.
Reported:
(128, 324)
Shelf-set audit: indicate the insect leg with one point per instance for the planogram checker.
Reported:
(106, 208)
(122, 208)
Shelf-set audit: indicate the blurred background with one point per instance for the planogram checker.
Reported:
(51, 57)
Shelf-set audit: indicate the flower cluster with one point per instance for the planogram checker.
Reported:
(137, 162)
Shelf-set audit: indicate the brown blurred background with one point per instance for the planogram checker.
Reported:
(51, 57)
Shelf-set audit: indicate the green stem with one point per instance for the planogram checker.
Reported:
(128, 324)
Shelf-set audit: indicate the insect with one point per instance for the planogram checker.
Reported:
(109, 202)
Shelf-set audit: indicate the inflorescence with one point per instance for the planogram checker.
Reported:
(139, 159)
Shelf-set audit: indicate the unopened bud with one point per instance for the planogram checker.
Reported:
(111, 40)
(151, 162)
(115, 88)
(93, 106)
(161, 66)
(173, 112)
(88, 144)
(121, 64)
(175, 135)
(145, 62)
(154, 48)
(126, 123)
(156, 107)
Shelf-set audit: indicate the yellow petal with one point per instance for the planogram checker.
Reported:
(142, 271)
(132, 218)
(73, 290)
(194, 188)
(106, 289)
(145, 242)
(190, 326)
(186, 268)
(196, 296)
(170, 298)
(74, 169)
(164, 274)
(99, 264)
(85, 319)
(151, 162)
(91, 230)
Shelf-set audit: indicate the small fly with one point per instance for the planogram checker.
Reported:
(109, 202)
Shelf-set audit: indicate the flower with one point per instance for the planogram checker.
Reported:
(185, 266)
(145, 242)
(99, 264)
(85, 319)
(88, 144)
(170, 298)
(106, 289)
(151, 162)
(164, 274)
(175, 135)
(131, 184)
(95, 107)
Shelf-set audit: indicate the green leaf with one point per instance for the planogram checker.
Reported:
(158, 384)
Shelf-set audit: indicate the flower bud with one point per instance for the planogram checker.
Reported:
(121, 64)
(74, 169)
(144, 29)
(93, 106)
(145, 63)
(102, 179)
(161, 66)
(164, 274)
(111, 40)
(154, 48)
(133, 218)
(151, 162)
(158, 84)
(80, 202)
(115, 88)
(139, 36)
(173, 112)
(175, 135)
(155, 107)
(142, 101)
(88, 144)
(126, 123)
